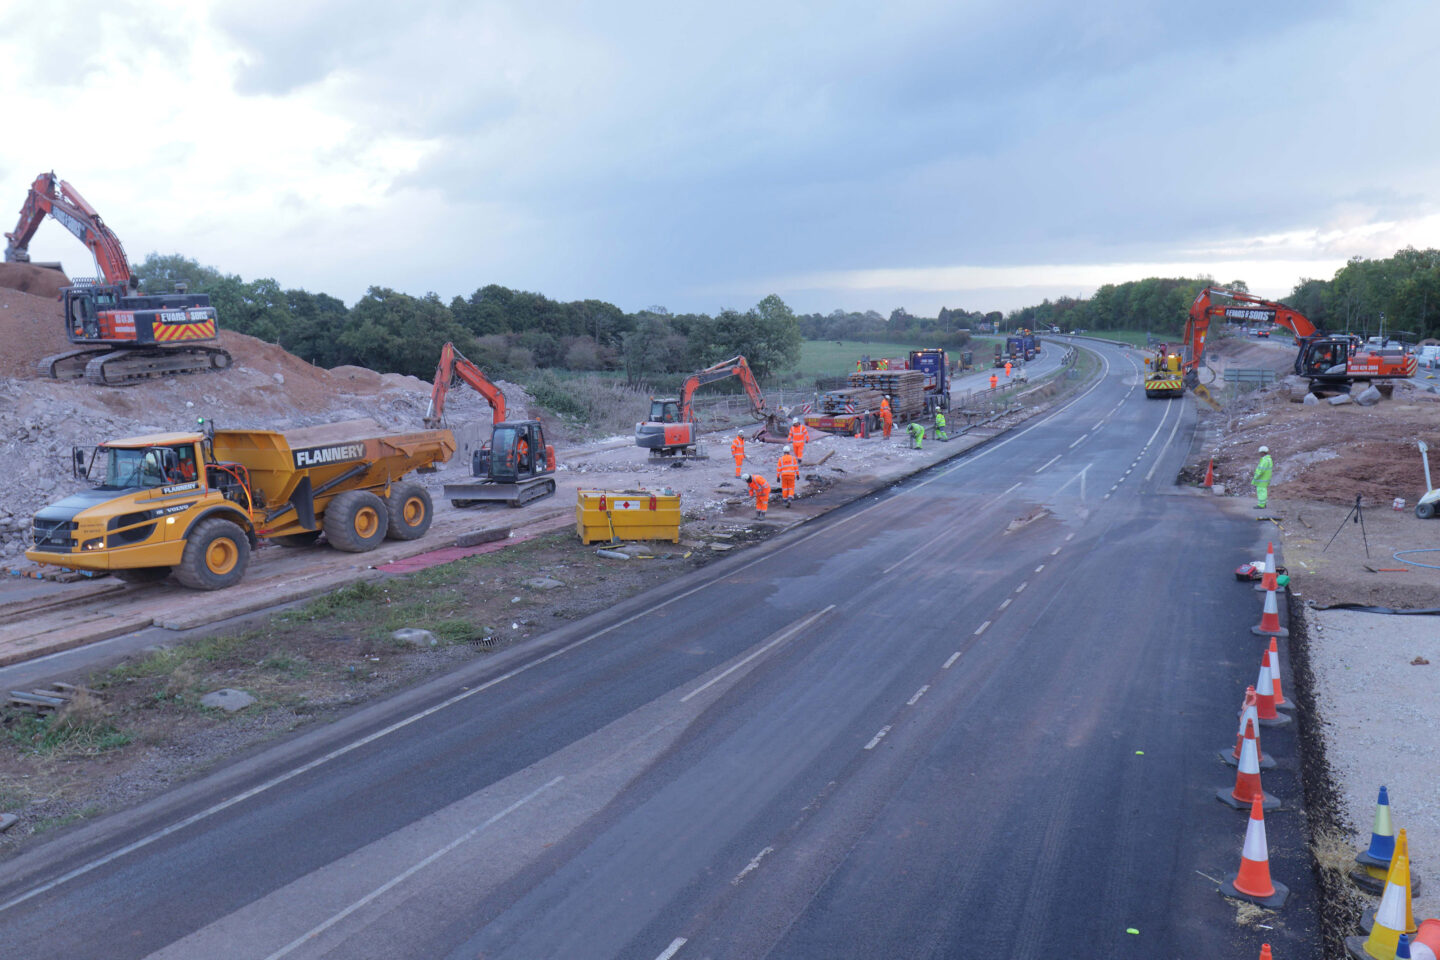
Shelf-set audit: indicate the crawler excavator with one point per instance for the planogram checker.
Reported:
(672, 429)
(1330, 362)
(120, 336)
(516, 465)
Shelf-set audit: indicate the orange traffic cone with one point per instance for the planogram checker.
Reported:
(1265, 696)
(1402, 849)
(1389, 919)
(1253, 882)
(1280, 702)
(1267, 576)
(1270, 619)
(1428, 939)
(1265, 952)
(1247, 778)
(1210, 474)
(1247, 712)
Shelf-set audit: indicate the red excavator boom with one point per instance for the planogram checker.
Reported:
(455, 368)
(63, 202)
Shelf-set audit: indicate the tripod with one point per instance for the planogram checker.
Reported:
(1359, 517)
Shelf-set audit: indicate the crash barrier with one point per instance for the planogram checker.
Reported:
(1256, 376)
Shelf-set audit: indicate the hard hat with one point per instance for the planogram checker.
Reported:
(795, 420)
(745, 477)
(1264, 449)
(787, 448)
(740, 434)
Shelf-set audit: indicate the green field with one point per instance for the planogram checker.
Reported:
(1136, 337)
(829, 358)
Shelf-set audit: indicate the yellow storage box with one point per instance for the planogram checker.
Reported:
(605, 515)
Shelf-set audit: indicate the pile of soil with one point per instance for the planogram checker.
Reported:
(31, 327)
(33, 279)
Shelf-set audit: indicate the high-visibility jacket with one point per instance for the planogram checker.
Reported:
(1262, 470)
(788, 466)
(737, 448)
(760, 490)
(799, 433)
(939, 420)
(884, 406)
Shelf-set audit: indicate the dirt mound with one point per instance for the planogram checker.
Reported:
(31, 327)
(32, 278)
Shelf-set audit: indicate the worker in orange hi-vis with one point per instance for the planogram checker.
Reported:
(760, 490)
(737, 450)
(799, 436)
(1007, 369)
(787, 471)
(994, 381)
(886, 416)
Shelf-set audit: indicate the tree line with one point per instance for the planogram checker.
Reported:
(1400, 293)
(506, 332)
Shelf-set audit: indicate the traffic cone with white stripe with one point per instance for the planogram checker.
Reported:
(1247, 778)
(1425, 945)
(1280, 702)
(1265, 696)
(1269, 625)
(1389, 926)
(1267, 576)
(1402, 850)
(1253, 881)
(1248, 712)
(1375, 859)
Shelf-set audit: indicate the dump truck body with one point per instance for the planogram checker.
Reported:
(159, 490)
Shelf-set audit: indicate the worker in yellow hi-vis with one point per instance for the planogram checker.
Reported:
(1261, 480)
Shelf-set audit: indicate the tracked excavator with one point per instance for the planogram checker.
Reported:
(672, 430)
(516, 465)
(1331, 363)
(121, 336)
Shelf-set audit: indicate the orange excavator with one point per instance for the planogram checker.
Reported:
(1330, 362)
(120, 336)
(516, 465)
(672, 429)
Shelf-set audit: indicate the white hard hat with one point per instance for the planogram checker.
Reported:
(787, 448)
(745, 477)
(740, 433)
(1264, 449)
(795, 420)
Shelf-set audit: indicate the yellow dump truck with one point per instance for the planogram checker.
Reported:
(1166, 378)
(195, 504)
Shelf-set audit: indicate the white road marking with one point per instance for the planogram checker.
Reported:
(1070, 536)
(1012, 489)
(875, 740)
(951, 662)
(410, 872)
(673, 949)
(1056, 550)
(918, 694)
(1022, 586)
(982, 628)
(781, 637)
(1041, 567)
(1098, 424)
(749, 868)
(1106, 497)
(1078, 442)
(1006, 602)
(1161, 454)
(1048, 463)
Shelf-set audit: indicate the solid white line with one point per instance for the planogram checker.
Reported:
(407, 874)
(1161, 454)
(953, 657)
(918, 694)
(1012, 489)
(1022, 586)
(1005, 603)
(875, 740)
(781, 637)
(1048, 462)
(673, 949)
(1078, 442)
(981, 629)
(749, 867)
(1041, 567)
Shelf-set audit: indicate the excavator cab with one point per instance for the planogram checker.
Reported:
(665, 411)
(514, 466)
(1323, 355)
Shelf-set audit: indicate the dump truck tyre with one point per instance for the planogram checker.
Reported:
(410, 510)
(355, 521)
(305, 539)
(216, 555)
(1425, 511)
(142, 574)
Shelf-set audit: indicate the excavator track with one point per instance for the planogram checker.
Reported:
(123, 368)
(69, 365)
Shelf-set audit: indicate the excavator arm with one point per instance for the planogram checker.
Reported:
(63, 202)
(455, 368)
(734, 367)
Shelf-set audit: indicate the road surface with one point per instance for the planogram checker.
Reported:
(975, 715)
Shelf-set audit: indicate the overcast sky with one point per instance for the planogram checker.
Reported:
(701, 155)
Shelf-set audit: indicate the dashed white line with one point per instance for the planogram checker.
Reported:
(1070, 536)
(918, 694)
(1006, 602)
(982, 628)
(1098, 424)
(749, 868)
(784, 635)
(1079, 441)
(875, 740)
(673, 949)
(410, 872)
(1055, 551)
(951, 662)
(1041, 567)
(1022, 586)
(1012, 489)
(1106, 497)
(1048, 463)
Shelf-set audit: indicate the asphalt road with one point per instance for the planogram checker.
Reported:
(975, 715)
